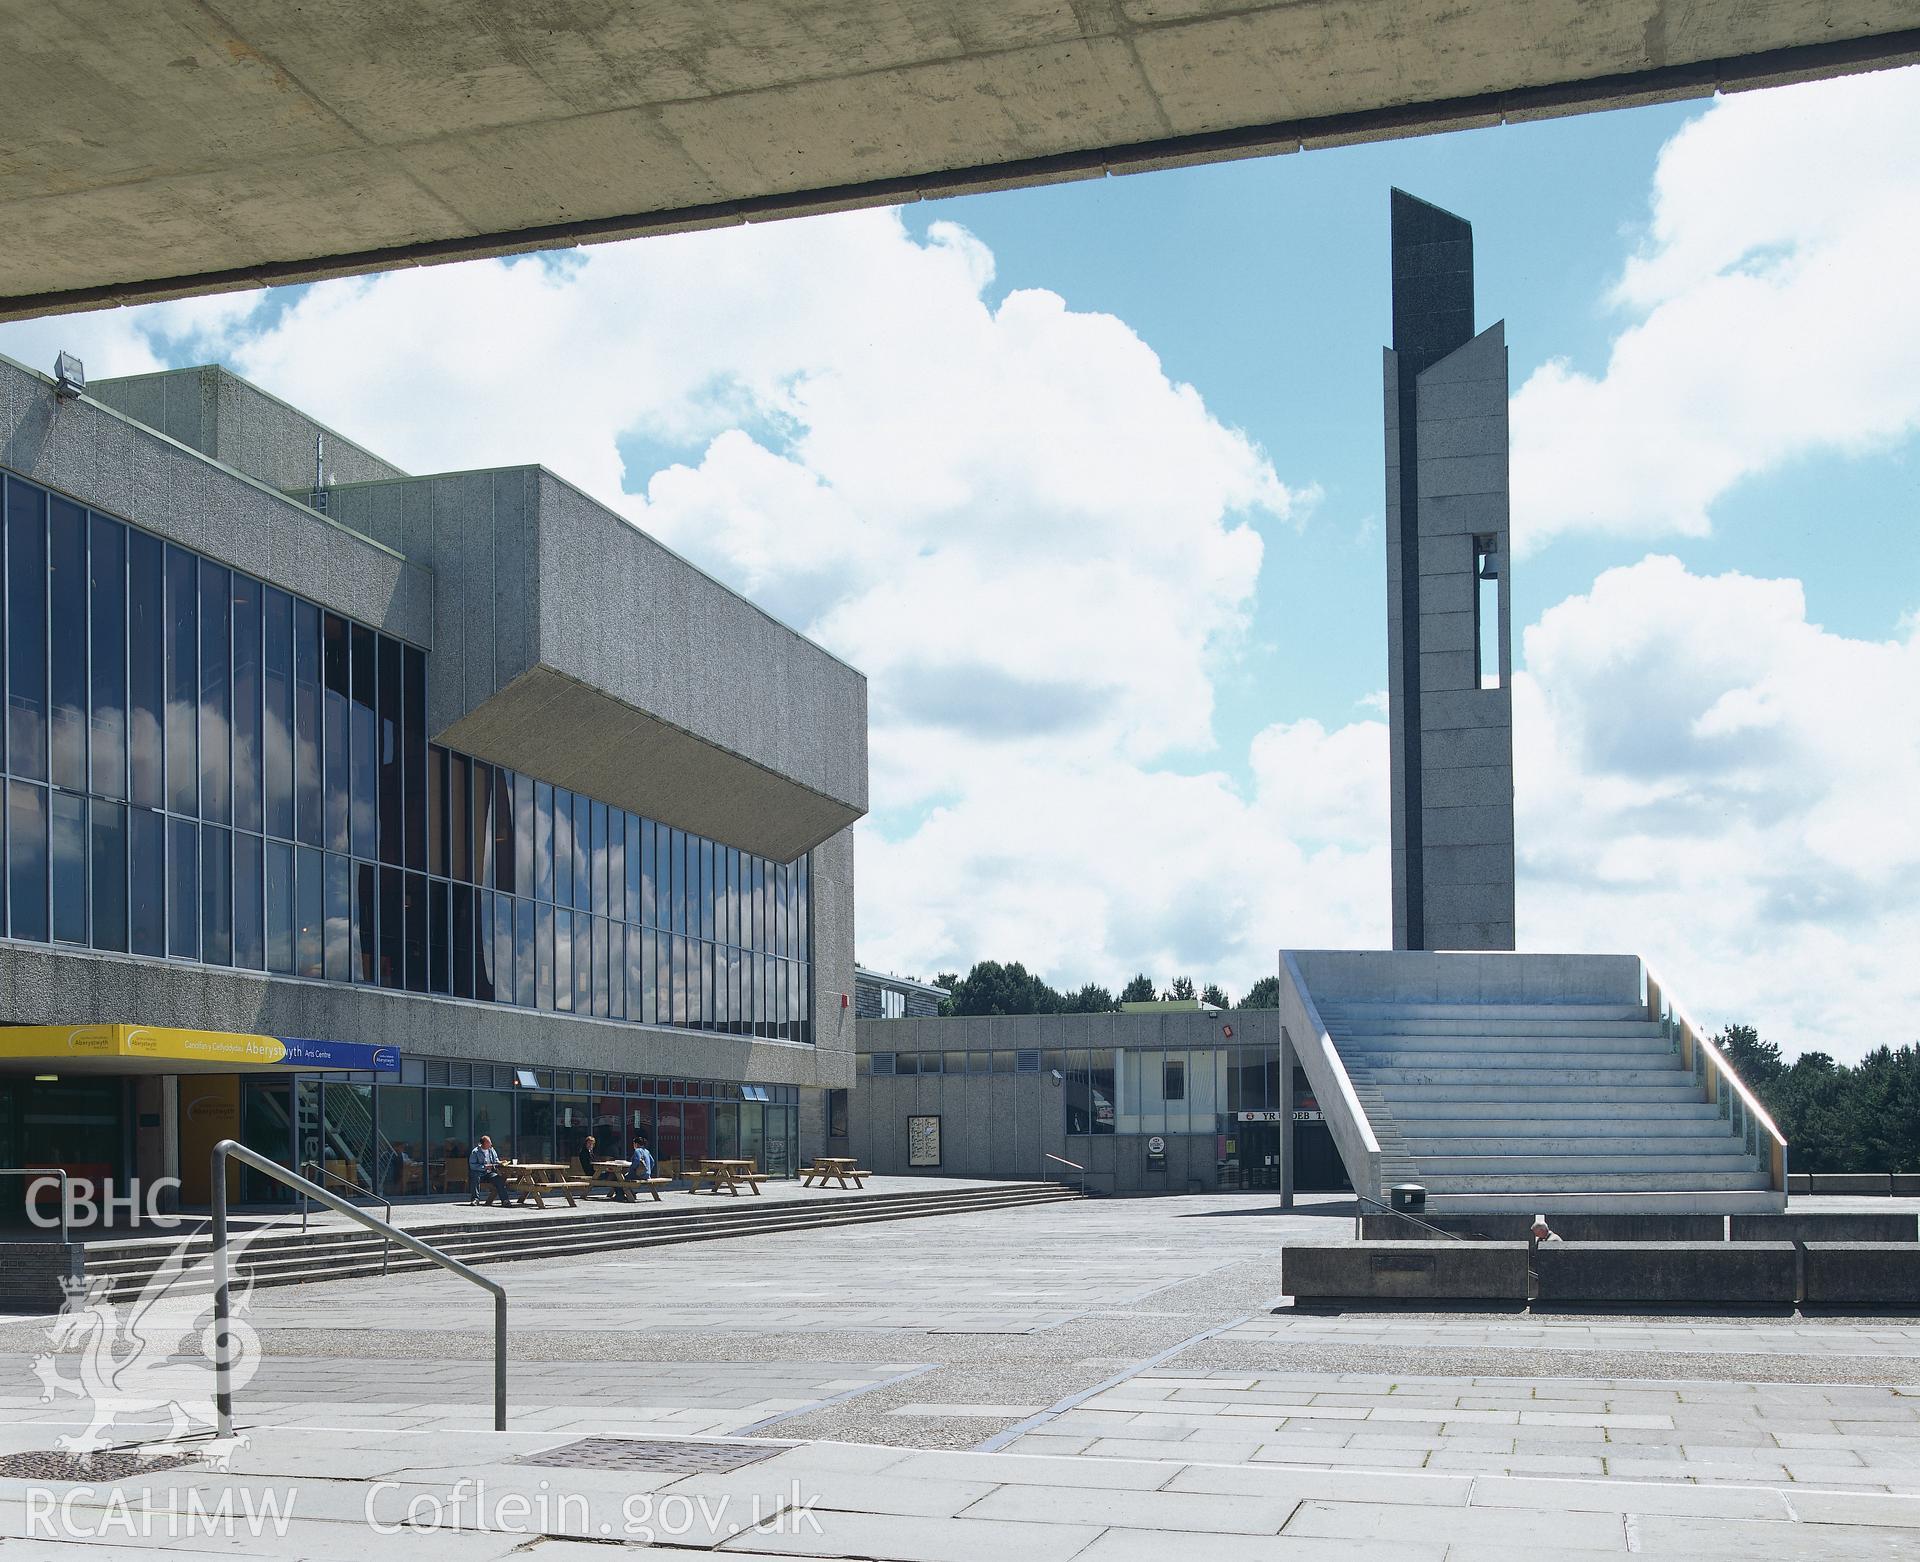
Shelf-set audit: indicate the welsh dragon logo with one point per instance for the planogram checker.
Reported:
(151, 1356)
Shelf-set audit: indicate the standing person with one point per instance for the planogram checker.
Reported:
(484, 1166)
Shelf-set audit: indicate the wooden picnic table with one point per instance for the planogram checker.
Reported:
(612, 1175)
(535, 1180)
(844, 1169)
(728, 1174)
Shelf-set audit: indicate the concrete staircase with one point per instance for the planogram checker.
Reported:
(1540, 1106)
(294, 1258)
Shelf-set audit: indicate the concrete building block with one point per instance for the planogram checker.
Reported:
(1484, 786)
(1449, 670)
(1467, 826)
(1870, 1226)
(1441, 475)
(1405, 1271)
(1514, 1226)
(1683, 1274)
(1877, 1184)
(1458, 748)
(1461, 517)
(1863, 1274)
(1447, 631)
(1457, 437)
(33, 1274)
(1455, 866)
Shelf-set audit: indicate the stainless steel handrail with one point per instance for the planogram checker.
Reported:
(386, 1247)
(1065, 1162)
(228, 1149)
(45, 1171)
(1361, 1198)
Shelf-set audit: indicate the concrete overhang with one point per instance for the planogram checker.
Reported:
(173, 147)
(572, 646)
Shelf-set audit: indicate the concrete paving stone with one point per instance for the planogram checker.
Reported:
(1516, 1464)
(1901, 1513)
(1692, 1470)
(1213, 1513)
(1650, 1423)
(1221, 1453)
(1332, 1486)
(1742, 1502)
(1043, 1443)
(1662, 1535)
(920, 1540)
(1456, 1526)
(1011, 1470)
(1133, 1545)
(756, 1487)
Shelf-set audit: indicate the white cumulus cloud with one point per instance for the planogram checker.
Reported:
(1772, 315)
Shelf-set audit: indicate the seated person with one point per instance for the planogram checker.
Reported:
(585, 1160)
(639, 1162)
(483, 1168)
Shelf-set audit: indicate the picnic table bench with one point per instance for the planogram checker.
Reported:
(535, 1180)
(613, 1181)
(728, 1174)
(841, 1168)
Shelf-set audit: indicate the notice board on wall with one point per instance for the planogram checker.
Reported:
(923, 1141)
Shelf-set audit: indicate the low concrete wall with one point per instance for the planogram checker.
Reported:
(1799, 1182)
(1501, 1226)
(1858, 1274)
(1667, 1273)
(1871, 1226)
(31, 1272)
(1874, 1184)
(1403, 1271)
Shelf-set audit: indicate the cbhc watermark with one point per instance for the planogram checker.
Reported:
(78, 1204)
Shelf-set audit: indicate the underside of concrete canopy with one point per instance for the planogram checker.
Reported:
(179, 147)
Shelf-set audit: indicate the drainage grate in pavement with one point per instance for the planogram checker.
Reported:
(641, 1453)
(106, 1465)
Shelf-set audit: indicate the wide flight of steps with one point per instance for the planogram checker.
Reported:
(1540, 1107)
(294, 1258)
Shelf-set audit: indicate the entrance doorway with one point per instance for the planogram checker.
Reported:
(1317, 1167)
(1252, 1158)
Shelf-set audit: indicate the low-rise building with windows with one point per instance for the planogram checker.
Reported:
(879, 995)
(355, 814)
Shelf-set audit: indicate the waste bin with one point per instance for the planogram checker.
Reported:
(1407, 1198)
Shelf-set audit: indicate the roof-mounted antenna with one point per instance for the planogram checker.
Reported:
(319, 501)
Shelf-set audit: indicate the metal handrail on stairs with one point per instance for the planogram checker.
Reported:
(59, 1172)
(1361, 1198)
(386, 1247)
(1065, 1162)
(228, 1149)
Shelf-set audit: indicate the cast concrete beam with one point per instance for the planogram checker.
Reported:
(176, 147)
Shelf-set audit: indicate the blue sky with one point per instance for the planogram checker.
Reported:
(1087, 480)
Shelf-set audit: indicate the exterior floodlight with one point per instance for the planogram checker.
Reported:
(69, 377)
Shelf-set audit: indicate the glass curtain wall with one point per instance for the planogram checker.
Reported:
(200, 766)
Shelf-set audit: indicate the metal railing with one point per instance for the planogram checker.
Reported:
(1065, 1162)
(44, 1171)
(228, 1149)
(1361, 1198)
(386, 1246)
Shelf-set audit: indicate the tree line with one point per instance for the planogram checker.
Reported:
(1837, 1117)
(993, 988)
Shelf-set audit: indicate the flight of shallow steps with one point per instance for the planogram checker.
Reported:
(1540, 1107)
(291, 1257)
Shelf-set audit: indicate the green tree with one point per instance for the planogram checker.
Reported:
(993, 988)
(1182, 987)
(1139, 990)
(1264, 994)
(948, 980)
(1755, 1061)
(1213, 993)
(1089, 1000)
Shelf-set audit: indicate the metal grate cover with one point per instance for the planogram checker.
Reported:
(106, 1465)
(643, 1453)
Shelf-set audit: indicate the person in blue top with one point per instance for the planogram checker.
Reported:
(484, 1165)
(639, 1162)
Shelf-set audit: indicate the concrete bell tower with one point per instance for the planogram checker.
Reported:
(1449, 580)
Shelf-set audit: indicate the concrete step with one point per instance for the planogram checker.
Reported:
(1543, 1078)
(1504, 1023)
(1524, 1185)
(1425, 1148)
(504, 1223)
(1363, 1044)
(1685, 1201)
(1595, 1133)
(1376, 1059)
(1438, 1169)
(359, 1256)
(1669, 1114)
(1357, 1009)
(1678, 1091)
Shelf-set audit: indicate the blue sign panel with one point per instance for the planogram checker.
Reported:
(306, 1052)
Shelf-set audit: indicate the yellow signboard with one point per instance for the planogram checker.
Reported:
(55, 1044)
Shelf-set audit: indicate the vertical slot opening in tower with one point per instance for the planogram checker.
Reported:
(1486, 610)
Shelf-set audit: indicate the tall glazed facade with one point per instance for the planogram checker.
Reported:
(481, 805)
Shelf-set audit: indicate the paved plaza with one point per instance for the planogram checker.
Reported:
(1093, 1381)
